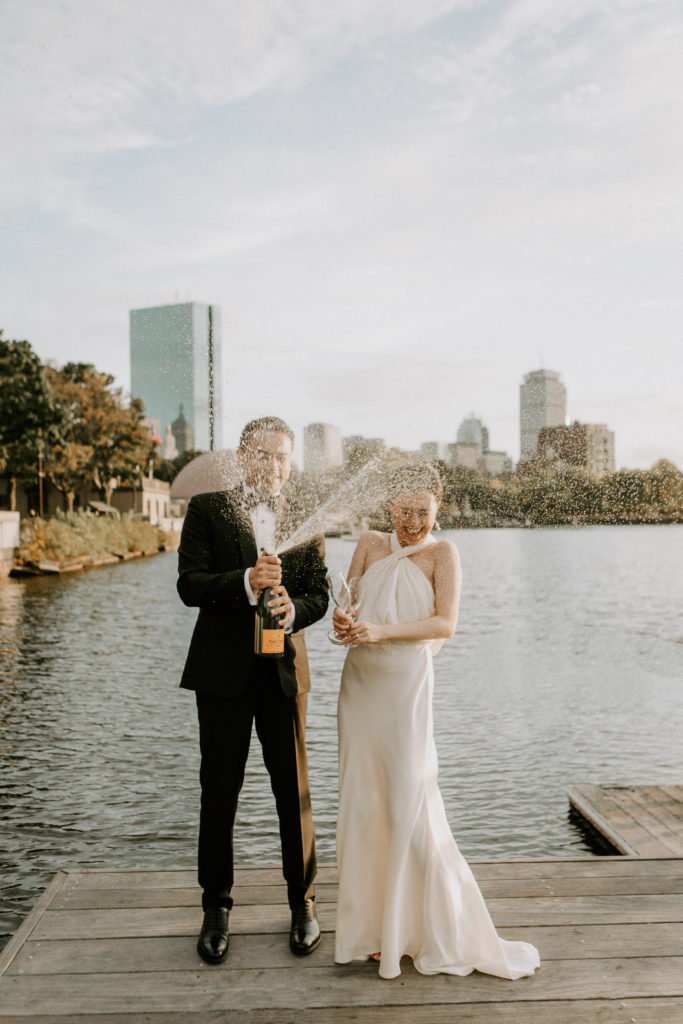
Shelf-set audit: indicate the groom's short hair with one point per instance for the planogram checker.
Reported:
(267, 424)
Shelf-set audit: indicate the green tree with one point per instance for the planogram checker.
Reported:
(667, 484)
(29, 418)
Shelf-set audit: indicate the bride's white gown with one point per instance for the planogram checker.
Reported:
(404, 886)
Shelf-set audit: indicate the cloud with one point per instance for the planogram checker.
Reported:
(386, 190)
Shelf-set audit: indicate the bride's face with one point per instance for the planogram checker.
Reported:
(413, 516)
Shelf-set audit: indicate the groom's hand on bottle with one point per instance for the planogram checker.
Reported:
(267, 572)
(281, 605)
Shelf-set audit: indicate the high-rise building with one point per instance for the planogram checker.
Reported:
(435, 450)
(542, 403)
(473, 431)
(599, 448)
(358, 449)
(323, 448)
(175, 368)
(562, 445)
(590, 445)
(464, 453)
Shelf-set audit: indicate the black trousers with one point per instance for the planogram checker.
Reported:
(225, 726)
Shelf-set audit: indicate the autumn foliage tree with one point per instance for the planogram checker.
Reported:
(103, 439)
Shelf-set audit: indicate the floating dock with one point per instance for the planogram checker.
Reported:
(118, 947)
(644, 821)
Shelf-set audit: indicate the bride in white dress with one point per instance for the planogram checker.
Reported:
(404, 886)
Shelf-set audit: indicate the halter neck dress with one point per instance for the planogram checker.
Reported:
(404, 886)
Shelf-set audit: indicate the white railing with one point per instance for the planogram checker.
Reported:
(9, 539)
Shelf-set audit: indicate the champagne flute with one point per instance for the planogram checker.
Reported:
(345, 596)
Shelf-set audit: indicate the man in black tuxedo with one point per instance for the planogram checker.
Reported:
(224, 561)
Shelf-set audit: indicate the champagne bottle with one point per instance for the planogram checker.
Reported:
(269, 634)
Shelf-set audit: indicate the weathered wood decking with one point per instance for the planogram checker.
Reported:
(644, 821)
(118, 947)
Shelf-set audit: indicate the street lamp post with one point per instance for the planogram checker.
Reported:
(40, 472)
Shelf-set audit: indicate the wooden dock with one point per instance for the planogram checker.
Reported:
(118, 947)
(645, 821)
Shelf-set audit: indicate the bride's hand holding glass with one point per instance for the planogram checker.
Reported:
(342, 622)
(344, 593)
(364, 633)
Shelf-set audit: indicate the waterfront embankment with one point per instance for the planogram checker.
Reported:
(79, 540)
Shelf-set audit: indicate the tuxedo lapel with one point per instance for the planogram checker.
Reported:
(245, 534)
(245, 530)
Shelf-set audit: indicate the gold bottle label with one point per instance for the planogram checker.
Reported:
(268, 641)
(272, 641)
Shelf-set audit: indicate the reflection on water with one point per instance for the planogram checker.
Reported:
(564, 669)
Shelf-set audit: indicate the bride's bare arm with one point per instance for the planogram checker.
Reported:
(441, 624)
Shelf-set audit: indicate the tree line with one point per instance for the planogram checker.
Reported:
(70, 425)
(554, 496)
(537, 494)
(73, 425)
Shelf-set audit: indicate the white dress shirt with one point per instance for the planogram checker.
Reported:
(263, 523)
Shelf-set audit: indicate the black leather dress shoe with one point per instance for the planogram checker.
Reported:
(304, 935)
(213, 941)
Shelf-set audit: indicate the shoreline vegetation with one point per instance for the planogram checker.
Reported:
(70, 541)
(538, 497)
(533, 496)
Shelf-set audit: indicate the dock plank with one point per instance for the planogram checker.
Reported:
(637, 820)
(104, 947)
(111, 899)
(349, 985)
(577, 1011)
(176, 952)
(151, 921)
(558, 867)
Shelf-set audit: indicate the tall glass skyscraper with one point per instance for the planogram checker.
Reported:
(175, 360)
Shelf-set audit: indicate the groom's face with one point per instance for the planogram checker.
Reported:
(266, 461)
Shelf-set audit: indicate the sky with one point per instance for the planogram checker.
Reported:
(400, 208)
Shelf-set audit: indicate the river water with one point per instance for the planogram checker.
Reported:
(566, 667)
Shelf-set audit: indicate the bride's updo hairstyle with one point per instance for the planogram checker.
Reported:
(414, 478)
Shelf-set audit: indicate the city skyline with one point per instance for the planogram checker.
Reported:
(400, 209)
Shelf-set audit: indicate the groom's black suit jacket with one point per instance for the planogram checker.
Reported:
(216, 547)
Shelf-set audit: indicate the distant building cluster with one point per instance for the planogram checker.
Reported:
(548, 439)
(545, 438)
(175, 354)
(470, 449)
(325, 449)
